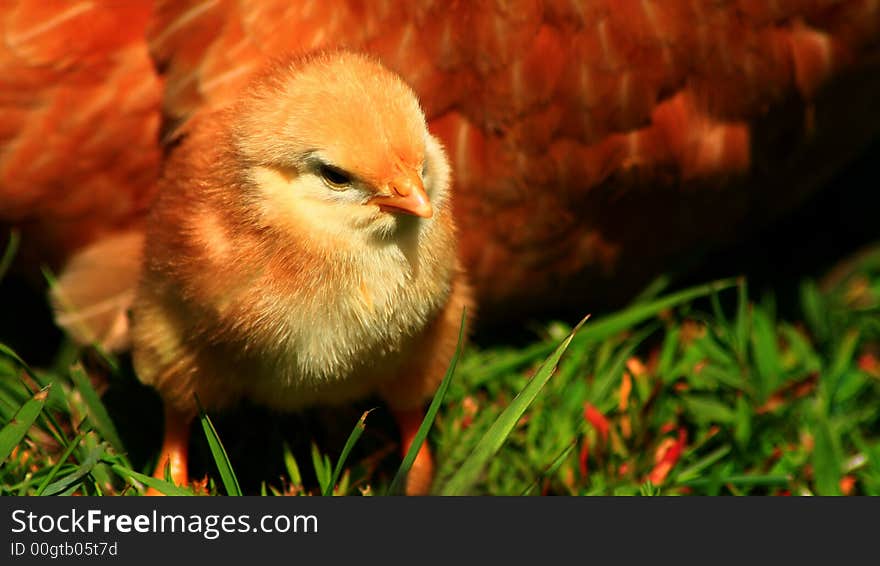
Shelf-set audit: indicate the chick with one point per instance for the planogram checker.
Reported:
(302, 251)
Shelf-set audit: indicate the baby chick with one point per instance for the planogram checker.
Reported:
(302, 250)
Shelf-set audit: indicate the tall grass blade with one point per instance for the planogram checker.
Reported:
(74, 479)
(291, 466)
(227, 475)
(54, 471)
(397, 483)
(611, 374)
(322, 468)
(743, 320)
(815, 309)
(356, 433)
(607, 326)
(16, 429)
(842, 359)
(161, 486)
(826, 460)
(765, 352)
(706, 410)
(694, 471)
(494, 438)
(96, 409)
(551, 469)
(10, 353)
(9, 252)
(654, 288)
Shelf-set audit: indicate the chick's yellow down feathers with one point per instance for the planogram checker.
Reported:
(301, 250)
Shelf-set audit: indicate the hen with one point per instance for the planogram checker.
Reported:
(591, 141)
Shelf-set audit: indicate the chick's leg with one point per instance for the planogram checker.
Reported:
(418, 482)
(174, 448)
(420, 377)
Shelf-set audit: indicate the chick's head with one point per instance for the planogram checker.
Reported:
(338, 143)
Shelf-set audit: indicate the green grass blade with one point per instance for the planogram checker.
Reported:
(551, 469)
(842, 359)
(707, 410)
(8, 352)
(55, 396)
(694, 471)
(826, 459)
(322, 468)
(611, 374)
(227, 475)
(69, 490)
(607, 326)
(291, 466)
(16, 429)
(610, 325)
(9, 252)
(96, 410)
(654, 288)
(743, 319)
(54, 471)
(73, 480)
(100, 475)
(815, 309)
(742, 426)
(765, 352)
(161, 486)
(667, 353)
(718, 312)
(51, 424)
(356, 433)
(494, 438)
(397, 483)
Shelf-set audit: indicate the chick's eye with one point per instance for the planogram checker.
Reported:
(335, 177)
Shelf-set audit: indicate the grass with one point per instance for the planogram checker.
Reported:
(704, 391)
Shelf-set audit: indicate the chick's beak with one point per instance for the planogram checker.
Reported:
(406, 194)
